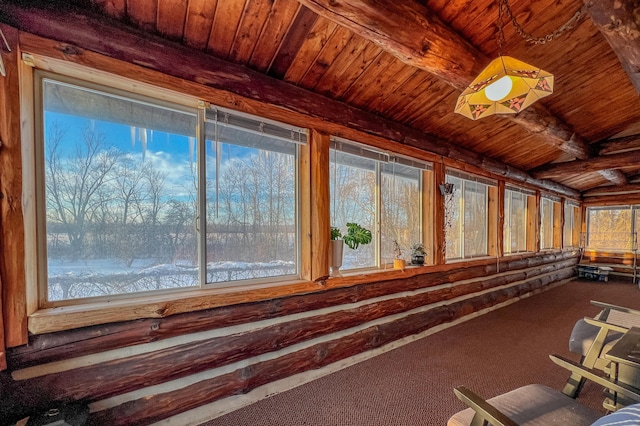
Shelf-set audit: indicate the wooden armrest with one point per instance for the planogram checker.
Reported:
(587, 373)
(609, 306)
(484, 410)
(607, 325)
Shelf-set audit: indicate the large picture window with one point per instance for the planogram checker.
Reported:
(515, 219)
(380, 191)
(611, 228)
(467, 216)
(128, 183)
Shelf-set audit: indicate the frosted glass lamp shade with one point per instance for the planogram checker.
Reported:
(505, 86)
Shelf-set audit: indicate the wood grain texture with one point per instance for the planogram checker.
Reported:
(90, 340)
(612, 146)
(121, 375)
(276, 97)
(273, 33)
(159, 406)
(619, 23)
(170, 12)
(12, 247)
(199, 22)
(604, 162)
(319, 206)
(417, 36)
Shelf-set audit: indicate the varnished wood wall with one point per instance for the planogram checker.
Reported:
(204, 356)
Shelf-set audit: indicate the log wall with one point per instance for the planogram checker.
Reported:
(138, 372)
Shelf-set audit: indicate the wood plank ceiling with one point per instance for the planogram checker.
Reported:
(594, 97)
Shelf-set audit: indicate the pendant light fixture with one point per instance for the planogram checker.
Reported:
(508, 85)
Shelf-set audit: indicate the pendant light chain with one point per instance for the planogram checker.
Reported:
(504, 5)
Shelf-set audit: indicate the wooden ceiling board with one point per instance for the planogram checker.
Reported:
(390, 82)
(356, 71)
(317, 38)
(171, 18)
(371, 77)
(252, 22)
(593, 95)
(225, 26)
(199, 22)
(330, 51)
(584, 181)
(407, 90)
(454, 9)
(430, 107)
(114, 8)
(406, 111)
(292, 41)
(143, 13)
(273, 33)
(356, 53)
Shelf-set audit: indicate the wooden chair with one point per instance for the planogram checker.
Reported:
(593, 337)
(535, 404)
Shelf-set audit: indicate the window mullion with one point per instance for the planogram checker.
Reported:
(378, 215)
(201, 214)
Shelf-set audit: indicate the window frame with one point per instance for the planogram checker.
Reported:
(156, 97)
(380, 158)
(491, 191)
(508, 215)
(634, 223)
(548, 225)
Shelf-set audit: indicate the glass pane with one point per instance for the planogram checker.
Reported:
(400, 214)
(515, 224)
(353, 199)
(453, 223)
(546, 223)
(475, 219)
(120, 194)
(567, 232)
(251, 205)
(609, 229)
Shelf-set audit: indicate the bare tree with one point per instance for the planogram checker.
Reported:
(73, 182)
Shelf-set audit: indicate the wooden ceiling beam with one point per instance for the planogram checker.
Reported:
(415, 35)
(613, 146)
(612, 190)
(74, 36)
(597, 164)
(619, 23)
(614, 176)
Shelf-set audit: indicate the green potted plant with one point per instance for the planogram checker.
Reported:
(355, 236)
(418, 254)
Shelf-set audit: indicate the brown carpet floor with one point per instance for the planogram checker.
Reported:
(412, 385)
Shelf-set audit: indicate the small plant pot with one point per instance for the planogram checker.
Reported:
(335, 257)
(398, 264)
(417, 259)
